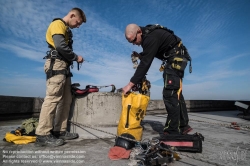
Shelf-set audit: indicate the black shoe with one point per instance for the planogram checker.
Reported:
(65, 135)
(166, 131)
(48, 140)
(186, 129)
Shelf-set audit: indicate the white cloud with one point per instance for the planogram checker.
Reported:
(101, 42)
(229, 61)
(23, 50)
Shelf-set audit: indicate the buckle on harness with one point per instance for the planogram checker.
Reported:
(53, 54)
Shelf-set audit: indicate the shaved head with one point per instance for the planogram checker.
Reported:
(131, 29)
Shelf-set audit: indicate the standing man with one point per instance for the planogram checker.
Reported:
(162, 43)
(54, 114)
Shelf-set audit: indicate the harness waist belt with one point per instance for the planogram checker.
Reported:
(53, 54)
(50, 73)
(176, 49)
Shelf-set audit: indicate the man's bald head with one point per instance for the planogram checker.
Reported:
(131, 30)
(133, 34)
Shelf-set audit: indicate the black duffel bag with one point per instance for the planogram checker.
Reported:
(186, 143)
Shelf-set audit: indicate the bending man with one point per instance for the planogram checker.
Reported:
(163, 44)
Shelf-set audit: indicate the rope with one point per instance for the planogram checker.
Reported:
(200, 159)
(233, 125)
(79, 124)
(241, 125)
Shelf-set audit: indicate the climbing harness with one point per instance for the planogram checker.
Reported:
(53, 54)
(177, 59)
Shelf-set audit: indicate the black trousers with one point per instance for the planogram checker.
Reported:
(174, 102)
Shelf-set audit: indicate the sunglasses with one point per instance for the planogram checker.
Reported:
(134, 38)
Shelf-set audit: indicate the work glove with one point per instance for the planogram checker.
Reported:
(135, 57)
(134, 53)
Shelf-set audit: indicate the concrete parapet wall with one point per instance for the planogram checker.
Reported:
(209, 105)
(212, 105)
(155, 105)
(97, 109)
(198, 105)
(13, 107)
(100, 106)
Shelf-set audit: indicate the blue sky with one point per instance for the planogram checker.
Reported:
(216, 33)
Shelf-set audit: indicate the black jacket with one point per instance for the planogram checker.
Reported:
(154, 44)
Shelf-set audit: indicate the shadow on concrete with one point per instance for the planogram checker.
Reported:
(155, 125)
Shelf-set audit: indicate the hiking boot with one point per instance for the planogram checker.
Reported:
(65, 135)
(186, 129)
(48, 140)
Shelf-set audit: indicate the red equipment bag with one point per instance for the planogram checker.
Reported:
(81, 92)
(186, 143)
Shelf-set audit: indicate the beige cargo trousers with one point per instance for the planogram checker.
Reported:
(56, 106)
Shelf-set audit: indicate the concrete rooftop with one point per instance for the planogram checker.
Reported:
(222, 146)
